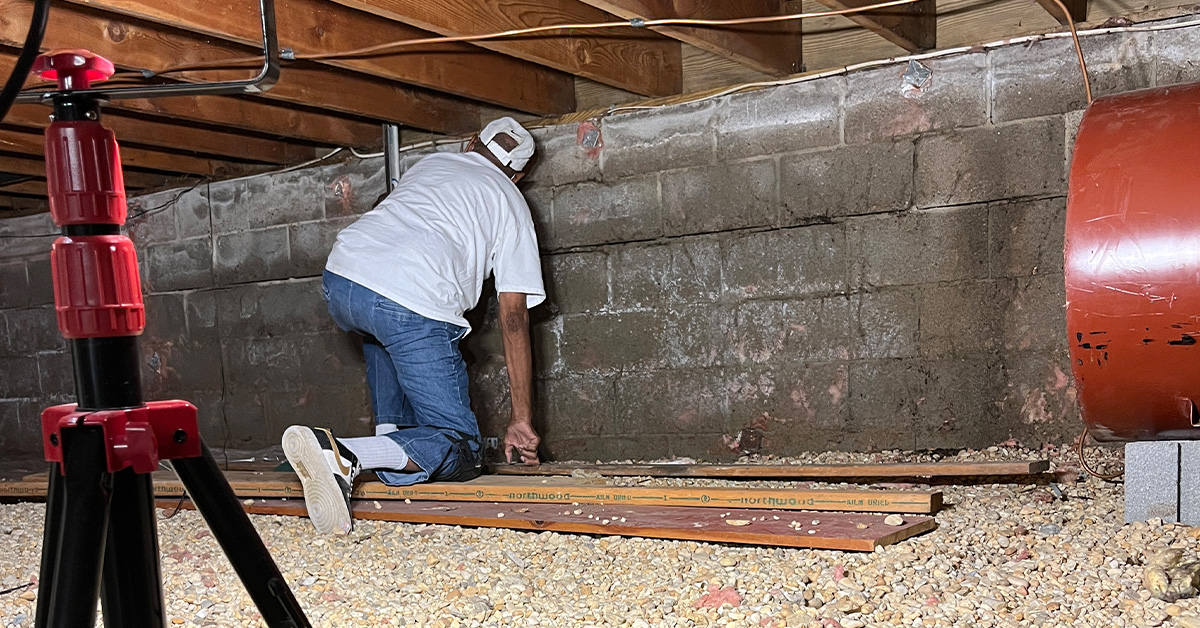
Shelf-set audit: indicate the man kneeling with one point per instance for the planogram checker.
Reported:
(402, 276)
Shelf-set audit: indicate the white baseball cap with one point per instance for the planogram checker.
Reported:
(520, 154)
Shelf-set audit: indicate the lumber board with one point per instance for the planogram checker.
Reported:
(807, 471)
(560, 491)
(835, 531)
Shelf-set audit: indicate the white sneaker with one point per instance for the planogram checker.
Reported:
(327, 470)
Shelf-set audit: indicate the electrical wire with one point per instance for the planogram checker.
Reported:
(1087, 83)
(29, 52)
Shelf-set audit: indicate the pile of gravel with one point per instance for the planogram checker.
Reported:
(1003, 555)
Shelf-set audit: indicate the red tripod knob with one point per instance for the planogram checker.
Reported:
(73, 69)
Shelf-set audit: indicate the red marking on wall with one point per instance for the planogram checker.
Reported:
(589, 138)
(343, 191)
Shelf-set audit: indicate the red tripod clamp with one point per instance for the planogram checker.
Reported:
(136, 438)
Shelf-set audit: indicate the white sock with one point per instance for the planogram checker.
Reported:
(386, 428)
(377, 452)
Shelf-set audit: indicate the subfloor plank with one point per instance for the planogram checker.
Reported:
(561, 491)
(786, 471)
(818, 530)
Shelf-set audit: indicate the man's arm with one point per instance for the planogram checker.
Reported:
(514, 327)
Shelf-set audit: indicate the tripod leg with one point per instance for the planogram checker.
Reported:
(50, 536)
(207, 487)
(74, 584)
(131, 593)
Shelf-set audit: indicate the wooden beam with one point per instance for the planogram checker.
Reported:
(134, 45)
(317, 26)
(37, 168)
(771, 528)
(1077, 8)
(798, 471)
(31, 144)
(175, 136)
(913, 27)
(773, 48)
(16, 206)
(631, 59)
(36, 188)
(253, 115)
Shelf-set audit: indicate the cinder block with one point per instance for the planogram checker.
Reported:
(848, 180)
(1026, 238)
(671, 137)
(576, 282)
(885, 323)
(23, 247)
(244, 419)
(1042, 77)
(698, 336)
(201, 313)
(991, 163)
(720, 198)
(225, 206)
(260, 364)
(1152, 481)
(332, 359)
(880, 105)
(963, 318)
(283, 198)
(773, 332)
(192, 218)
(1034, 317)
(609, 343)
(179, 265)
(352, 188)
(41, 280)
(786, 262)
(577, 405)
(152, 218)
(311, 242)
(563, 160)
(679, 272)
(958, 409)
(1189, 482)
(248, 256)
(13, 440)
(546, 336)
(276, 309)
(541, 209)
(884, 399)
(1175, 56)
(591, 213)
(919, 247)
(56, 375)
(14, 285)
(797, 407)
(20, 378)
(34, 330)
(165, 318)
(782, 119)
(1039, 399)
(669, 402)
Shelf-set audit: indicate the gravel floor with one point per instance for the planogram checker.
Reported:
(1003, 556)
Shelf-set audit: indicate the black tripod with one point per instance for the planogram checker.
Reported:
(100, 538)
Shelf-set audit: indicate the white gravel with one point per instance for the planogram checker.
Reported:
(1003, 555)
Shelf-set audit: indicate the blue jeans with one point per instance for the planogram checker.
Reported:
(418, 382)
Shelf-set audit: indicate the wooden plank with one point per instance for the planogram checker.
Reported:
(12, 141)
(913, 27)
(1077, 8)
(807, 471)
(632, 59)
(558, 491)
(834, 531)
(174, 136)
(316, 26)
(37, 167)
(16, 206)
(240, 113)
(133, 45)
(773, 48)
(35, 188)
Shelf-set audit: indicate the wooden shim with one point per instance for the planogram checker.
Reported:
(837, 531)
(807, 471)
(560, 491)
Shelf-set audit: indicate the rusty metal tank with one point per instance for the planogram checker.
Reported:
(1132, 265)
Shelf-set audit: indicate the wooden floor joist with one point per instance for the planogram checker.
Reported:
(560, 491)
(825, 530)
(807, 471)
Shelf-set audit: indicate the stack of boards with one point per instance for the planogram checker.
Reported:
(555, 497)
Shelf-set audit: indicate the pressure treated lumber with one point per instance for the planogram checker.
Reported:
(36, 166)
(836, 531)
(135, 45)
(32, 144)
(807, 471)
(318, 26)
(913, 27)
(772, 47)
(566, 491)
(632, 59)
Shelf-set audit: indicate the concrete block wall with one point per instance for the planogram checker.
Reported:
(839, 264)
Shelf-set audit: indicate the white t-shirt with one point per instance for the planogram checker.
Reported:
(451, 221)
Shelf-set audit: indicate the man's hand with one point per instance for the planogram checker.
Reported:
(521, 438)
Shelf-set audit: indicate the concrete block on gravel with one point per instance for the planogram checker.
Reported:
(1189, 482)
(1152, 481)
